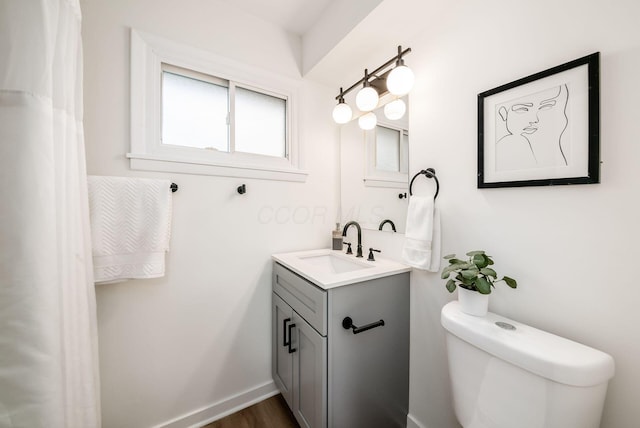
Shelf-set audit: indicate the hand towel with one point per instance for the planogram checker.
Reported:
(422, 234)
(130, 227)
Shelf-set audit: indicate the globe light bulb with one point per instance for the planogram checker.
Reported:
(400, 80)
(395, 109)
(367, 121)
(342, 113)
(367, 99)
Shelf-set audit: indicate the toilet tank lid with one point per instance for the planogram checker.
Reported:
(542, 353)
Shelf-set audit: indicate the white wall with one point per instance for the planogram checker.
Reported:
(572, 248)
(201, 334)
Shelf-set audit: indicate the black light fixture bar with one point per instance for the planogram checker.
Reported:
(396, 58)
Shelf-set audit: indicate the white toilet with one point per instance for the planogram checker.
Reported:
(505, 374)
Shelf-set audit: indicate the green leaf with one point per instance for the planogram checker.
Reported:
(456, 267)
(489, 261)
(449, 256)
(510, 282)
(451, 285)
(474, 253)
(447, 269)
(483, 286)
(456, 261)
(470, 273)
(451, 268)
(480, 260)
(488, 272)
(465, 281)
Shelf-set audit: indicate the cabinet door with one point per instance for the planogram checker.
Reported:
(282, 359)
(309, 375)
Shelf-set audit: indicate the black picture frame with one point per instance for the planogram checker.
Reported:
(565, 150)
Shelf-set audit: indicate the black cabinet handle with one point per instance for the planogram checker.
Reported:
(347, 324)
(291, 350)
(284, 332)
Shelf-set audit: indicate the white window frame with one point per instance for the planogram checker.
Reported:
(148, 54)
(378, 178)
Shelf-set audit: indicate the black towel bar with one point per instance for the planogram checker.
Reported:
(429, 173)
(347, 324)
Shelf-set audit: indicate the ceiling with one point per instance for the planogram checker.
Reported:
(295, 16)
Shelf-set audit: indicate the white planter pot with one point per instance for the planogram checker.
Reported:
(472, 302)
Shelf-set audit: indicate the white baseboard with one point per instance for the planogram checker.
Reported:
(412, 422)
(206, 415)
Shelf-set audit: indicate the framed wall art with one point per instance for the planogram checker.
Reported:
(543, 129)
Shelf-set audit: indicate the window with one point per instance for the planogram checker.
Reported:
(387, 156)
(205, 112)
(260, 121)
(195, 110)
(198, 113)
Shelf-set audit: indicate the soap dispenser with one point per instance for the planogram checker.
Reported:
(336, 238)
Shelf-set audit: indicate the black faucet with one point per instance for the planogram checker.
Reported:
(344, 233)
(393, 226)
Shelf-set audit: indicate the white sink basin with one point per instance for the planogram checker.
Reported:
(331, 263)
(328, 268)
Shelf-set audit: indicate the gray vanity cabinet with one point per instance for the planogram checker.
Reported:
(332, 376)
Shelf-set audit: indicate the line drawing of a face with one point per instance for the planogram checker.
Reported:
(535, 125)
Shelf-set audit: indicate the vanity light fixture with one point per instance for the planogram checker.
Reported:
(342, 112)
(396, 81)
(400, 80)
(368, 121)
(367, 98)
(395, 109)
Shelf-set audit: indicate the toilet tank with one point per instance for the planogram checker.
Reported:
(505, 374)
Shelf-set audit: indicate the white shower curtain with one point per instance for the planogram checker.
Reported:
(48, 340)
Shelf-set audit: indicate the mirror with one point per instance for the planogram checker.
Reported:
(374, 173)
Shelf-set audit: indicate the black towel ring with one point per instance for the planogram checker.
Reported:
(429, 173)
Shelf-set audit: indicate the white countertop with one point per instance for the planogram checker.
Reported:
(379, 268)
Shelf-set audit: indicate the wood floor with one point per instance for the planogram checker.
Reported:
(270, 413)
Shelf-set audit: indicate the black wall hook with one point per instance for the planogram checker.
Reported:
(173, 187)
(242, 189)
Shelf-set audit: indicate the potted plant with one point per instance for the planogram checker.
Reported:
(475, 279)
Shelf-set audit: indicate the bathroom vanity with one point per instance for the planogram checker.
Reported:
(340, 330)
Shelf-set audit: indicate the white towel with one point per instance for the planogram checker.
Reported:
(422, 234)
(130, 227)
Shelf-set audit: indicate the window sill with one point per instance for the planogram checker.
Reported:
(145, 162)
